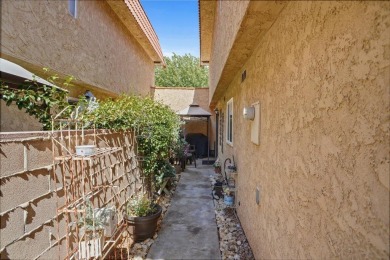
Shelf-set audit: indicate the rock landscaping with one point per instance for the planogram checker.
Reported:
(232, 240)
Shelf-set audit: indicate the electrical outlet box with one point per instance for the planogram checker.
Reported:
(258, 196)
(255, 124)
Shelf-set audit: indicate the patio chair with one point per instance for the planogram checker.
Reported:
(191, 156)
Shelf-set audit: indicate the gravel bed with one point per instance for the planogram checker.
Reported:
(232, 240)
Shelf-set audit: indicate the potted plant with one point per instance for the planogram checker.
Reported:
(217, 166)
(228, 197)
(141, 216)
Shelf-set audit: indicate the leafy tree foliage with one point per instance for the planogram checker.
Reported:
(182, 71)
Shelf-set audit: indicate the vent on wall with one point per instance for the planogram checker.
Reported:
(243, 76)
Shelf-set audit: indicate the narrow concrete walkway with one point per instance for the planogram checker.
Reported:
(189, 229)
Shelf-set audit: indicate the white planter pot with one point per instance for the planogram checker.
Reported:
(91, 245)
(85, 150)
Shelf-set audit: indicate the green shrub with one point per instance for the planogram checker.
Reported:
(155, 124)
(140, 206)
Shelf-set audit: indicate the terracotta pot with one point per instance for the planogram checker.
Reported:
(217, 169)
(142, 228)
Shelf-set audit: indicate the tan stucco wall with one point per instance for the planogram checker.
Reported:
(228, 18)
(95, 47)
(32, 189)
(180, 98)
(321, 75)
(13, 119)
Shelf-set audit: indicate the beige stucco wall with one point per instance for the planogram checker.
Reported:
(228, 18)
(32, 192)
(179, 98)
(95, 47)
(13, 119)
(321, 75)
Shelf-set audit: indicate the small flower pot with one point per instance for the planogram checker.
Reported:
(217, 170)
(228, 200)
(142, 228)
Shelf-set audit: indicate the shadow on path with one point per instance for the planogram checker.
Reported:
(189, 229)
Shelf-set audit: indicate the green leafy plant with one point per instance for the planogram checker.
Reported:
(140, 206)
(164, 170)
(38, 100)
(179, 147)
(217, 163)
(90, 219)
(155, 124)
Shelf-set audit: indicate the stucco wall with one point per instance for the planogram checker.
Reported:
(180, 98)
(228, 18)
(321, 75)
(95, 47)
(32, 226)
(13, 119)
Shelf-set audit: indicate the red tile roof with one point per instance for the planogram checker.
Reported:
(139, 26)
(139, 14)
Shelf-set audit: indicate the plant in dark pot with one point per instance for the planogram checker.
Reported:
(141, 216)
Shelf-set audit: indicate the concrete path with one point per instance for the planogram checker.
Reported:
(189, 229)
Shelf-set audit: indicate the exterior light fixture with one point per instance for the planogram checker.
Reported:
(249, 113)
(216, 111)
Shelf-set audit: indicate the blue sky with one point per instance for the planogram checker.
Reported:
(176, 24)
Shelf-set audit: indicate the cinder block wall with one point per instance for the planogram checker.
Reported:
(32, 189)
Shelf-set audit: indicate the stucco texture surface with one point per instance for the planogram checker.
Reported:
(227, 21)
(95, 47)
(321, 75)
(13, 119)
